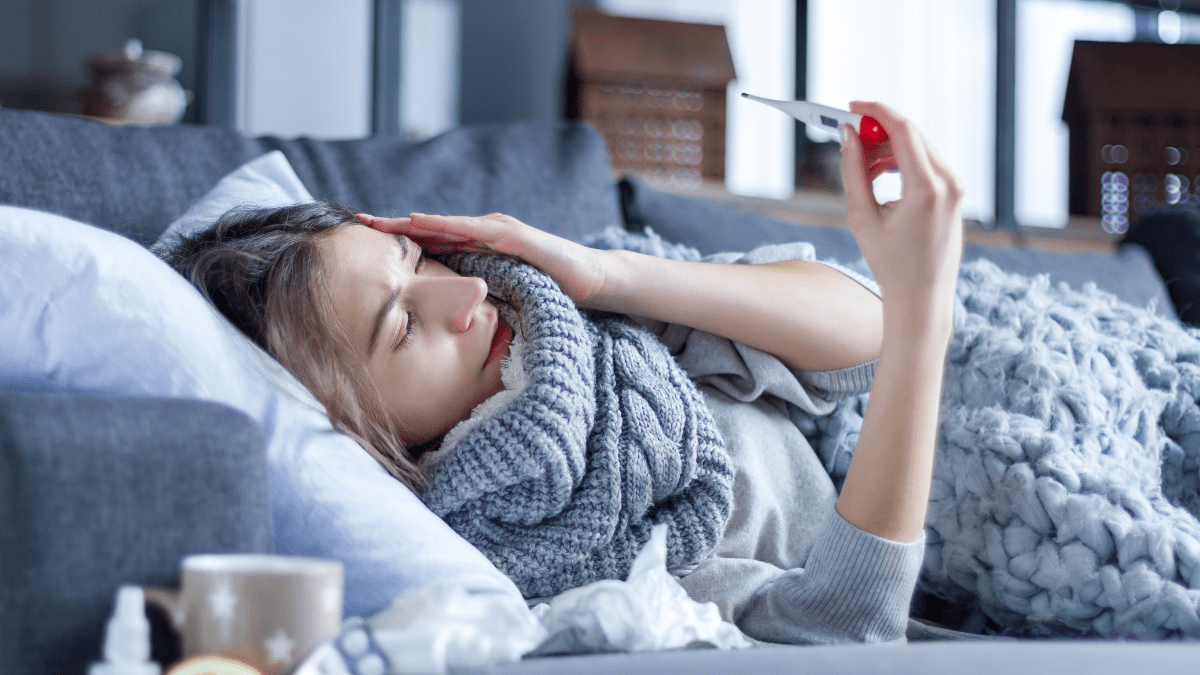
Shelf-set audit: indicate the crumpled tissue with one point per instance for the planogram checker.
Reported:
(648, 611)
(444, 627)
(440, 627)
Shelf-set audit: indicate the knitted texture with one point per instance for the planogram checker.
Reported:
(1066, 489)
(560, 483)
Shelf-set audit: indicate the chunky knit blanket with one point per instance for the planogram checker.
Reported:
(1066, 489)
(598, 437)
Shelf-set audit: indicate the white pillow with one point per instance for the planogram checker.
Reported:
(85, 310)
(267, 181)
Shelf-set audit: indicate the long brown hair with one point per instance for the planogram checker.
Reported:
(263, 269)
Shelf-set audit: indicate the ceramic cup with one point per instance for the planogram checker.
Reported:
(269, 611)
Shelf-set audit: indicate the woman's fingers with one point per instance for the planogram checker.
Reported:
(381, 224)
(445, 232)
(908, 145)
(953, 183)
(860, 200)
(878, 158)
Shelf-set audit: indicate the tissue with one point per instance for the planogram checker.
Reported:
(447, 627)
(442, 627)
(648, 611)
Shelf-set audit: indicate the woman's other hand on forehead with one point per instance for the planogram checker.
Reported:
(577, 269)
(493, 233)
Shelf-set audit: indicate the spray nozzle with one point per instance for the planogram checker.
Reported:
(127, 638)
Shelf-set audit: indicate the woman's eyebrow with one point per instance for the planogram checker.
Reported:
(390, 302)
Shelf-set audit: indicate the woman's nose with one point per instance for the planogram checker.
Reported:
(457, 298)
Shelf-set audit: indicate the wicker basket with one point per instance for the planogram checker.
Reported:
(656, 90)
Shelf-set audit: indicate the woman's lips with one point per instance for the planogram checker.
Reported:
(500, 341)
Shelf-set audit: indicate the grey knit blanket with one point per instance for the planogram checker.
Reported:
(1066, 490)
(599, 436)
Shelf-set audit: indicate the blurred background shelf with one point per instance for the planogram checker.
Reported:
(985, 79)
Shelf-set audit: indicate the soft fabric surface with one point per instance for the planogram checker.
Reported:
(1172, 236)
(265, 182)
(599, 437)
(88, 311)
(136, 180)
(1067, 484)
(712, 227)
(165, 479)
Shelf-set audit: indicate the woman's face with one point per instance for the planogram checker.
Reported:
(431, 339)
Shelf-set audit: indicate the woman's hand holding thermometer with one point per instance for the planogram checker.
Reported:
(878, 157)
(827, 118)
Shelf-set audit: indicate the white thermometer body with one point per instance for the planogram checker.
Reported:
(827, 118)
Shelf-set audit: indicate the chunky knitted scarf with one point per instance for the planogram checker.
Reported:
(600, 436)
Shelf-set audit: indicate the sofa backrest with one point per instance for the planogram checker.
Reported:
(136, 180)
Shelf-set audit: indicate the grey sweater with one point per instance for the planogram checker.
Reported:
(789, 569)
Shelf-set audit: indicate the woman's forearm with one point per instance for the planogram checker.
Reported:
(887, 485)
(809, 315)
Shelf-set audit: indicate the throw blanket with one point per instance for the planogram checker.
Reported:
(599, 437)
(1065, 493)
(1066, 489)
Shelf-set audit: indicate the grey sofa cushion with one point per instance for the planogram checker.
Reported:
(1171, 236)
(711, 227)
(134, 181)
(96, 492)
(999, 657)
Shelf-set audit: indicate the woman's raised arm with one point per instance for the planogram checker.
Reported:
(913, 246)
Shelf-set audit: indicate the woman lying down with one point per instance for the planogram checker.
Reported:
(554, 439)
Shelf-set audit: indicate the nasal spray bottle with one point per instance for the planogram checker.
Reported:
(127, 639)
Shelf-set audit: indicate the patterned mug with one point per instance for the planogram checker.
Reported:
(269, 611)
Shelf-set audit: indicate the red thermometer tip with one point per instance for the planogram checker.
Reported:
(871, 131)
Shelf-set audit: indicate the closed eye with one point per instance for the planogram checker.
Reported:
(412, 320)
(409, 327)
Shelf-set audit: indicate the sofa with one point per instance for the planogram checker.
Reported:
(106, 484)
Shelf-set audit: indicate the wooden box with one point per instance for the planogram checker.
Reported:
(656, 90)
(1134, 113)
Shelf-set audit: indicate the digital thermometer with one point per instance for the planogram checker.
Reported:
(827, 118)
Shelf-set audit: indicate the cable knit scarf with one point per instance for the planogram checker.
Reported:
(599, 436)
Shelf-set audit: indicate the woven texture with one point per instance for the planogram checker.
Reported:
(561, 484)
(1067, 484)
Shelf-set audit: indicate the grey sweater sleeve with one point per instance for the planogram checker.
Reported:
(850, 586)
(856, 587)
(790, 568)
(745, 373)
